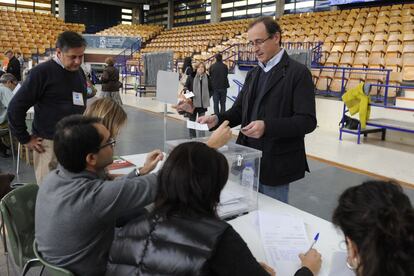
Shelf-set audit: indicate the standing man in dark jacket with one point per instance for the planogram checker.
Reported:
(219, 82)
(56, 89)
(14, 65)
(275, 108)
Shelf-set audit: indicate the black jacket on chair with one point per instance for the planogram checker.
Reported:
(288, 110)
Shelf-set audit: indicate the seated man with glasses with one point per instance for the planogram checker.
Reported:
(7, 84)
(77, 208)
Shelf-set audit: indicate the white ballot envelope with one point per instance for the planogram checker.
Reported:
(196, 126)
(189, 95)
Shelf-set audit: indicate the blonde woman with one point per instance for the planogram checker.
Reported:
(111, 113)
(110, 81)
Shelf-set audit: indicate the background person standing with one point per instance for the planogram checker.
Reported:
(13, 67)
(219, 82)
(56, 88)
(110, 81)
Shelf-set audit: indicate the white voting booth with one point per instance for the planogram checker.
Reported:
(167, 87)
(239, 195)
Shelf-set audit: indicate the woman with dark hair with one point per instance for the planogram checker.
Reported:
(183, 234)
(185, 106)
(187, 68)
(377, 220)
(110, 81)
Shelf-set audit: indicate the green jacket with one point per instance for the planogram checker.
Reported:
(357, 102)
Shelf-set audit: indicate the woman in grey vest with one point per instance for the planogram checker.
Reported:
(183, 234)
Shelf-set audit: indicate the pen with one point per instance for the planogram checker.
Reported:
(315, 239)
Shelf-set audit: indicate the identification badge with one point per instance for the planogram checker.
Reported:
(77, 98)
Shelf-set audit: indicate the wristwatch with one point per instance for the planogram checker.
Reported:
(137, 172)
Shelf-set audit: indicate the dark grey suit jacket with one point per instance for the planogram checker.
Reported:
(288, 109)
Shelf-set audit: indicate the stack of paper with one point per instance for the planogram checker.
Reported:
(284, 238)
(232, 202)
(120, 166)
(119, 163)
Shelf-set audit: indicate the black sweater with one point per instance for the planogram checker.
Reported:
(49, 88)
(14, 68)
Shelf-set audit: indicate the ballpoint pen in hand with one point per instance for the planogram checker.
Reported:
(315, 239)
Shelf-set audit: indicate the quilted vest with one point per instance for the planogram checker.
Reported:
(158, 246)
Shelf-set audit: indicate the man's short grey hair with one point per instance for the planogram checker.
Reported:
(7, 77)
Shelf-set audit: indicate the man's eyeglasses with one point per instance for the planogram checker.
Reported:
(258, 42)
(111, 142)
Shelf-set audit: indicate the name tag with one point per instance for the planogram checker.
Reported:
(77, 98)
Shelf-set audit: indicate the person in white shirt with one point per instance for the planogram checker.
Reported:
(7, 84)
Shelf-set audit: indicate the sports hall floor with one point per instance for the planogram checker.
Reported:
(343, 163)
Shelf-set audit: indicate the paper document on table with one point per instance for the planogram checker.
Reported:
(197, 126)
(284, 237)
(232, 201)
(338, 265)
(228, 197)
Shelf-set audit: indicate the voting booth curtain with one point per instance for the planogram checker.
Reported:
(302, 56)
(153, 62)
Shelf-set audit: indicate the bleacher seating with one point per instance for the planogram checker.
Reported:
(196, 39)
(31, 33)
(376, 37)
(373, 38)
(146, 32)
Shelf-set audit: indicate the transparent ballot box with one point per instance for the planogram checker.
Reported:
(239, 195)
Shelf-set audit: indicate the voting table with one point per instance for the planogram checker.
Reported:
(330, 240)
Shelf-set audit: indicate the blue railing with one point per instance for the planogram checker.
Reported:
(349, 70)
(386, 98)
(239, 88)
(239, 85)
(227, 53)
(247, 57)
(317, 54)
(125, 55)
